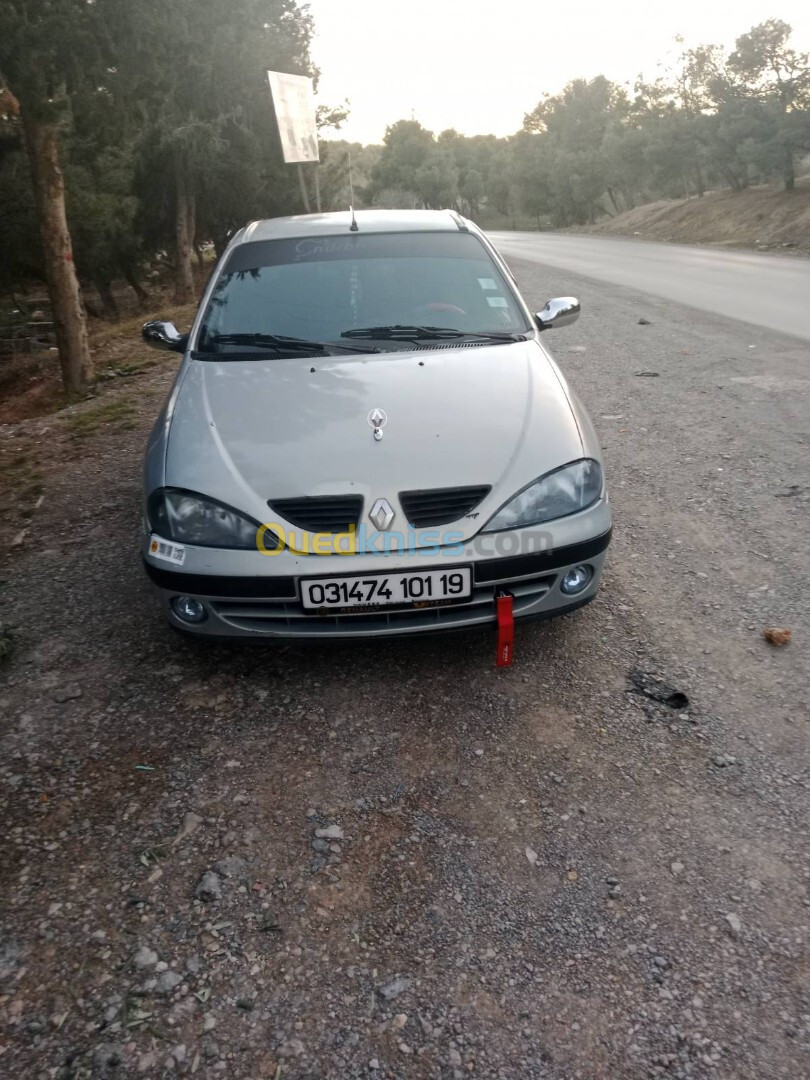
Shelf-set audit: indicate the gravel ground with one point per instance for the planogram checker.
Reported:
(391, 859)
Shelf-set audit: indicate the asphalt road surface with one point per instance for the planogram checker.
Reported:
(766, 290)
(534, 873)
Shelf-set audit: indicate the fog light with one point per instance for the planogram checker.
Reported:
(188, 609)
(576, 579)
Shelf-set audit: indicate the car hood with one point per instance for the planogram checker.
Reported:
(246, 432)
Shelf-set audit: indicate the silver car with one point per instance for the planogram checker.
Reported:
(367, 436)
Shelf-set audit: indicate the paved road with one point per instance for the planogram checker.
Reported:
(767, 290)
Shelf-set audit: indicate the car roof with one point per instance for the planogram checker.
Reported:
(368, 221)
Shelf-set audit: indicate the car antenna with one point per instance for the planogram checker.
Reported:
(353, 227)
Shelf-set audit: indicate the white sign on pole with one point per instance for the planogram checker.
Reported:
(295, 112)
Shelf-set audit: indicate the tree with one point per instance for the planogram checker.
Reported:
(778, 77)
(102, 205)
(573, 125)
(471, 188)
(196, 70)
(19, 235)
(336, 190)
(47, 49)
(708, 118)
(436, 179)
(528, 174)
(406, 147)
(578, 117)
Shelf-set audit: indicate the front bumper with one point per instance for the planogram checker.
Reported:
(241, 605)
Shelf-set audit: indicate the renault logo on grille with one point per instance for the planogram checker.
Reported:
(381, 515)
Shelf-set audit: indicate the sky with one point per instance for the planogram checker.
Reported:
(479, 66)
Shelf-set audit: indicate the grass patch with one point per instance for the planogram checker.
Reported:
(31, 384)
(124, 328)
(123, 370)
(89, 421)
(21, 479)
(130, 328)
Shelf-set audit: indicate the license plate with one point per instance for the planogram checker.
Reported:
(382, 590)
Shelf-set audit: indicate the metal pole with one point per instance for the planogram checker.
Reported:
(318, 186)
(303, 183)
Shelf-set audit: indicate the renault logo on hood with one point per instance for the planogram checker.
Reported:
(377, 419)
(381, 515)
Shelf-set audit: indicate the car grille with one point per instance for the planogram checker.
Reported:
(320, 513)
(290, 619)
(441, 505)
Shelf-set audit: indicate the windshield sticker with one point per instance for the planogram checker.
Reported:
(162, 549)
(311, 249)
(497, 301)
(487, 283)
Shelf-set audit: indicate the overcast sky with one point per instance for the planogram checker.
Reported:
(479, 66)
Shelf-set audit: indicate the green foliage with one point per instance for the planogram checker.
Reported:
(148, 95)
(715, 120)
(162, 102)
(19, 241)
(774, 81)
(195, 74)
(406, 147)
(591, 149)
(437, 179)
(88, 421)
(48, 50)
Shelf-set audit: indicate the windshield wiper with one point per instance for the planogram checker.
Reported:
(403, 333)
(281, 342)
(496, 335)
(426, 333)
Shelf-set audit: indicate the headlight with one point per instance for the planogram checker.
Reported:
(558, 494)
(188, 518)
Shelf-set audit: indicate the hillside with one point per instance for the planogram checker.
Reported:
(761, 217)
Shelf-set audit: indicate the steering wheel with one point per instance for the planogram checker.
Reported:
(423, 310)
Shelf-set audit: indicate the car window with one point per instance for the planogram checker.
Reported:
(321, 288)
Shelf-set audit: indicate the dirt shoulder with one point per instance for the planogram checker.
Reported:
(39, 435)
(391, 859)
(764, 218)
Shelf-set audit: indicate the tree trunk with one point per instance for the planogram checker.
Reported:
(788, 170)
(107, 297)
(184, 234)
(131, 279)
(70, 321)
(701, 183)
(731, 178)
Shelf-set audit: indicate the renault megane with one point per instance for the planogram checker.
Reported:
(368, 436)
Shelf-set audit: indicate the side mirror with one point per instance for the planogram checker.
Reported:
(561, 311)
(164, 335)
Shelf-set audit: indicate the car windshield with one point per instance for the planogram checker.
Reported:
(390, 288)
